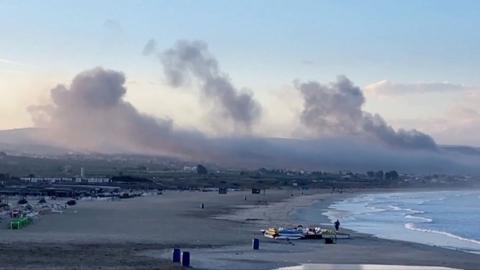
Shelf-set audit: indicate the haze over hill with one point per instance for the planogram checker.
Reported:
(325, 154)
(91, 114)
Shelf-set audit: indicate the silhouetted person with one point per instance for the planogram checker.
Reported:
(337, 225)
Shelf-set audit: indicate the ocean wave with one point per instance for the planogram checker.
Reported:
(375, 209)
(424, 219)
(411, 226)
(333, 214)
(395, 208)
(412, 211)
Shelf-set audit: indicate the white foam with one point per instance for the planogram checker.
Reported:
(411, 226)
(325, 266)
(375, 209)
(424, 219)
(395, 208)
(413, 211)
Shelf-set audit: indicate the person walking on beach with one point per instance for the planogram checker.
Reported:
(337, 225)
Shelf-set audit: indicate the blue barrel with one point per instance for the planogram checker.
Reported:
(176, 255)
(255, 243)
(186, 259)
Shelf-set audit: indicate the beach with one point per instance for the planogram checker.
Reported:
(140, 233)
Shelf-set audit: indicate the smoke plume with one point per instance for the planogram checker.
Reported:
(91, 114)
(187, 60)
(337, 109)
(150, 47)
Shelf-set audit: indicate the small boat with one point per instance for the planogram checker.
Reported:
(303, 233)
(290, 234)
(270, 233)
(313, 233)
(284, 233)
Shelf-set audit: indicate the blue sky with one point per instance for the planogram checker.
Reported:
(263, 45)
(367, 40)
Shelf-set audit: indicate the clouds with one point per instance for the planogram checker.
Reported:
(389, 88)
(191, 60)
(336, 108)
(459, 125)
(113, 26)
(9, 62)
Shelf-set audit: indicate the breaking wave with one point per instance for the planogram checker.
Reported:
(413, 211)
(430, 218)
(411, 226)
(424, 219)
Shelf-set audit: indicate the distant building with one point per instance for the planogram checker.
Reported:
(190, 169)
(256, 191)
(66, 180)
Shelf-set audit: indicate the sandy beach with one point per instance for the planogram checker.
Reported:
(140, 233)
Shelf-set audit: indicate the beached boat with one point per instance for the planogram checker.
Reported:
(284, 233)
(313, 233)
(270, 232)
(303, 233)
(290, 234)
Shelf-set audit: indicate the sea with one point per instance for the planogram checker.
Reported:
(449, 219)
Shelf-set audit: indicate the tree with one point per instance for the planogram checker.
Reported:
(391, 175)
(201, 169)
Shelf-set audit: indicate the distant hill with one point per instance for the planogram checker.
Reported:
(462, 149)
(27, 141)
(252, 152)
(32, 140)
(20, 136)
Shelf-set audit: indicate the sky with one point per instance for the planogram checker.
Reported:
(416, 62)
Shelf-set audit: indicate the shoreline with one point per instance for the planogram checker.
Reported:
(145, 229)
(357, 250)
(429, 233)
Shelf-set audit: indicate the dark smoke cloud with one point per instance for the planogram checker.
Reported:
(413, 139)
(150, 47)
(187, 60)
(332, 109)
(336, 108)
(92, 115)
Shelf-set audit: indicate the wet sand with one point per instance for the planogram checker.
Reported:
(141, 232)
